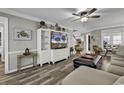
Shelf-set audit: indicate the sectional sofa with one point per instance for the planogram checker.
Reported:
(89, 76)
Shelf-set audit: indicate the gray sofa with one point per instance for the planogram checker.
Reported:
(89, 76)
(117, 62)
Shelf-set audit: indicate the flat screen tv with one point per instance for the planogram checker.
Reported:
(58, 40)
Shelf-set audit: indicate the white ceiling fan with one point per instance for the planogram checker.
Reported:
(85, 14)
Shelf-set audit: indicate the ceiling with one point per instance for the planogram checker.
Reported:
(63, 16)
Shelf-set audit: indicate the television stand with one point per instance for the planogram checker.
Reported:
(59, 54)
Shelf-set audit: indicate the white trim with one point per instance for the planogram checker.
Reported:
(102, 40)
(21, 51)
(14, 70)
(11, 71)
(4, 20)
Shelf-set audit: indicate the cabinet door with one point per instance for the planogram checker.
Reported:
(45, 56)
(45, 46)
(45, 40)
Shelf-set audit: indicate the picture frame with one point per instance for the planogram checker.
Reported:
(22, 34)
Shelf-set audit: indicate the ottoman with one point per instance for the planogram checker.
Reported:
(86, 62)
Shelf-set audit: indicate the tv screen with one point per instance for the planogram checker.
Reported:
(58, 40)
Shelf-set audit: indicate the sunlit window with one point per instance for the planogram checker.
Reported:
(117, 39)
(107, 39)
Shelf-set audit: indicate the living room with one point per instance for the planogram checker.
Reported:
(44, 46)
(54, 46)
(62, 46)
(51, 52)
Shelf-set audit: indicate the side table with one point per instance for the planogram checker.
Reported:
(19, 57)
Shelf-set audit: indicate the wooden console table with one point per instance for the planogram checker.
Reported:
(19, 57)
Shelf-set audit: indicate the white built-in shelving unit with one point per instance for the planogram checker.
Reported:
(45, 53)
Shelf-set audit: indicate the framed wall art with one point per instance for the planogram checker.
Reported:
(22, 34)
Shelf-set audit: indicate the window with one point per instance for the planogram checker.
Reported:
(113, 37)
(117, 39)
(107, 39)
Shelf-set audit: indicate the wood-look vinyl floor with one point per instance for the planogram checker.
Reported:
(1, 69)
(49, 74)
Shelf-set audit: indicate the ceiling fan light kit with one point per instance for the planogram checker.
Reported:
(84, 19)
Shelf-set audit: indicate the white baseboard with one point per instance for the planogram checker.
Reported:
(14, 70)
(11, 71)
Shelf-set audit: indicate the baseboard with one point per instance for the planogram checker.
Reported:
(14, 70)
(11, 71)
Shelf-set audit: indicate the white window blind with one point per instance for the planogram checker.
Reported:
(107, 39)
(117, 40)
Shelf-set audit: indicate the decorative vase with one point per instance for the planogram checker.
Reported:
(27, 52)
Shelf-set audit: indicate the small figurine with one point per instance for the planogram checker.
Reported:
(26, 52)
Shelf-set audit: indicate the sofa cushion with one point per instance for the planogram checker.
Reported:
(119, 81)
(89, 76)
(118, 62)
(120, 51)
(118, 70)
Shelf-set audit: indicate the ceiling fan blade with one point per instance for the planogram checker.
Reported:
(83, 13)
(92, 10)
(95, 16)
(75, 14)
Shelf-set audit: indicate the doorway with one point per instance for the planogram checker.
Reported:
(4, 44)
(2, 50)
(88, 43)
